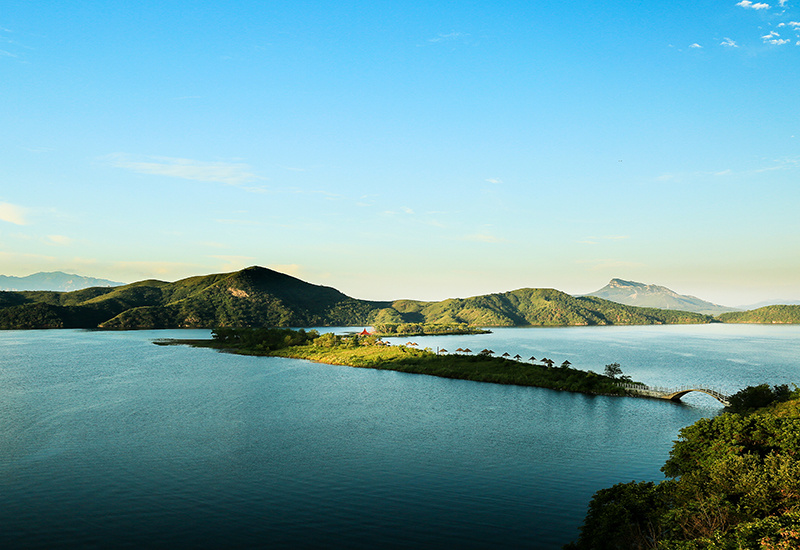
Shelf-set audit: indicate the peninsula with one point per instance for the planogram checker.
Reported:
(369, 351)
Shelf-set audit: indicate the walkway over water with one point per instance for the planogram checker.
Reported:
(674, 394)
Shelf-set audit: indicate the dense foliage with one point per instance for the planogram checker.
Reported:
(768, 314)
(262, 339)
(538, 307)
(734, 485)
(421, 329)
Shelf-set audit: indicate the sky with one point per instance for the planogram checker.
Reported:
(393, 149)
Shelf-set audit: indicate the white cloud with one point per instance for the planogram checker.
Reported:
(729, 43)
(12, 213)
(752, 6)
(483, 238)
(59, 239)
(494, 180)
(773, 38)
(221, 172)
(795, 24)
(448, 37)
(289, 269)
(695, 45)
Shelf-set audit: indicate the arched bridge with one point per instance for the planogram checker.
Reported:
(674, 394)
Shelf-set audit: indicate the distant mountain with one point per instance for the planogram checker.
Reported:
(642, 295)
(55, 281)
(257, 296)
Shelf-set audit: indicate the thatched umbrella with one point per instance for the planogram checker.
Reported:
(565, 364)
(517, 357)
(442, 350)
(459, 350)
(532, 359)
(506, 354)
(467, 350)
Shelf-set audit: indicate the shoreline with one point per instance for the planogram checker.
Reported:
(476, 368)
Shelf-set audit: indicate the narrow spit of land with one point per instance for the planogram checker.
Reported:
(372, 352)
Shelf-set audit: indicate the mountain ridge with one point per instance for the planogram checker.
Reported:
(637, 294)
(56, 281)
(257, 296)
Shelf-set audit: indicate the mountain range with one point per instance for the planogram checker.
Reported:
(638, 294)
(54, 280)
(258, 296)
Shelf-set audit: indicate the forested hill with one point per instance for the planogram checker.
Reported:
(768, 314)
(257, 296)
(531, 306)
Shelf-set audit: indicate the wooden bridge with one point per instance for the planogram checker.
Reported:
(674, 394)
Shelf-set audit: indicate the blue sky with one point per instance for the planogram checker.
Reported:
(406, 149)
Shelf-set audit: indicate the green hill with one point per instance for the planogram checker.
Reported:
(257, 296)
(537, 307)
(768, 314)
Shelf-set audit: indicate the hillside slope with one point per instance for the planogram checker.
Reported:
(642, 295)
(770, 314)
(257, 296)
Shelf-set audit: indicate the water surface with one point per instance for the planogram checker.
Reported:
(108, 440)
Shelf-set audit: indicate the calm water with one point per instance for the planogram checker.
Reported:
(107, 440)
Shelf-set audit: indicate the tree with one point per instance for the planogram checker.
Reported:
(613, 370)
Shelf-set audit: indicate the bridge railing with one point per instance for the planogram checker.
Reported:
(664, 391)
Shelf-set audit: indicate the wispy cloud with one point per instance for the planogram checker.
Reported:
(59, 240)
(596, 240)
(729, 43)
(608, 263)
(13, 213)
(695, 45)
(495, 180)
(788, 163)
(774, 38)
(234, 263)
(483, 238)
(449, 37)
(229, 173)
(147, 269)
(753, 6)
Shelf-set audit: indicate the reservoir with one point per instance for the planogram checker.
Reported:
(107, 440)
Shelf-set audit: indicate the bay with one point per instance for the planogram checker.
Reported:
(107, 440)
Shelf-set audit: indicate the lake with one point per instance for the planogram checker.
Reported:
(107, 440)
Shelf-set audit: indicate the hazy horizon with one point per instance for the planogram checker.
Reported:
(397, 150)
(741, 305)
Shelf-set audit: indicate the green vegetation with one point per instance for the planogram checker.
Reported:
(251, 297)
(371, 352)
(421, 329)
(734, 485)
(758, 397)
(257, 296)
(767, 315)
(538, 307)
